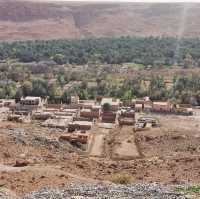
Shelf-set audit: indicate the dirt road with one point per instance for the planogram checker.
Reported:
(125, 147)
(97, 145)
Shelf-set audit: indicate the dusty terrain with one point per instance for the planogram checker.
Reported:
(169, 154)
(25, 20)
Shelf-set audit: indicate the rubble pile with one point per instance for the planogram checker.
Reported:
(21, 136)
(4, 196)
(138, 191)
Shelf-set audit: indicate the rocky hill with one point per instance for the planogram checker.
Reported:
(24, 20)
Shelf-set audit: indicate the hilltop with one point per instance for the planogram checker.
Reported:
(27, 20)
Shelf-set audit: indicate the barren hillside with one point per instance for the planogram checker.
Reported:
(24, 20)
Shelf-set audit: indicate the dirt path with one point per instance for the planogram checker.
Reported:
(97, 144)
(127, 149)
(124, 147)
(44, 169)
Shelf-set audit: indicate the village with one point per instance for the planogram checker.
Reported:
(78, 119)
(92, 140)
(99, 99)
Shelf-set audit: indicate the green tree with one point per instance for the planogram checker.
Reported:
(18, 94)
(157, 88)
(106, 107)
(127, 95)
(66, 98)
(83, 94)
(188, 61)
(39, 88)
(27, 88)
(2, 93)
(59, 59)
(11, 90)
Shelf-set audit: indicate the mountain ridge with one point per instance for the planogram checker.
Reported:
(31, 20)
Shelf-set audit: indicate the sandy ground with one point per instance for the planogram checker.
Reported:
(97, 148)
(125, 147)
(97, 142)
(168, 154)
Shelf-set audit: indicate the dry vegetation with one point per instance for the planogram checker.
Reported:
(121, 179)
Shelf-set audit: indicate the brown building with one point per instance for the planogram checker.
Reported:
(93, 113)
(7, 102)
(162, 106)
(86, 104)
(126, 117)
(75, 137)
(108, 117)
(28, 105)
(138, 107)
(79, 125)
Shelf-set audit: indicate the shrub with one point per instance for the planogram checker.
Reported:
(121, 179)
(192, 189)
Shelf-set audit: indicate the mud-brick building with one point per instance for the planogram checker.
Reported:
(87, 104)
(162, 106)
(138, 107)
(76, 137)
(79, 125)
(92, 113)
(183, 109)
(29, 105)
(108, 117)
(7, 102)
(126, 117)
(144, 104)
(34, 101)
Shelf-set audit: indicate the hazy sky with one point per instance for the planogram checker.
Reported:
(190, 1)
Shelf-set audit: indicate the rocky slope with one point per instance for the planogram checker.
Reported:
(97, 191)
(24, 20)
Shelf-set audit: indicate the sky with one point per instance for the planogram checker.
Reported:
(172, 1)
(156, 1)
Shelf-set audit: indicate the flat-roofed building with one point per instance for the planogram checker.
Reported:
(61, 123)
(126, 117)
(31, 101)
(79, 125)
(108, 117)
(162, 106)
(29, 105)
(75, 99)
(7, 102)
(76, 137)
(138, 107)
(87, 104)
(93, 113)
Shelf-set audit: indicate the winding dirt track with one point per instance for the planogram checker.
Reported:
(43, 168)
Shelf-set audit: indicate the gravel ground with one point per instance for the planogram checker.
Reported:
(139, 191)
